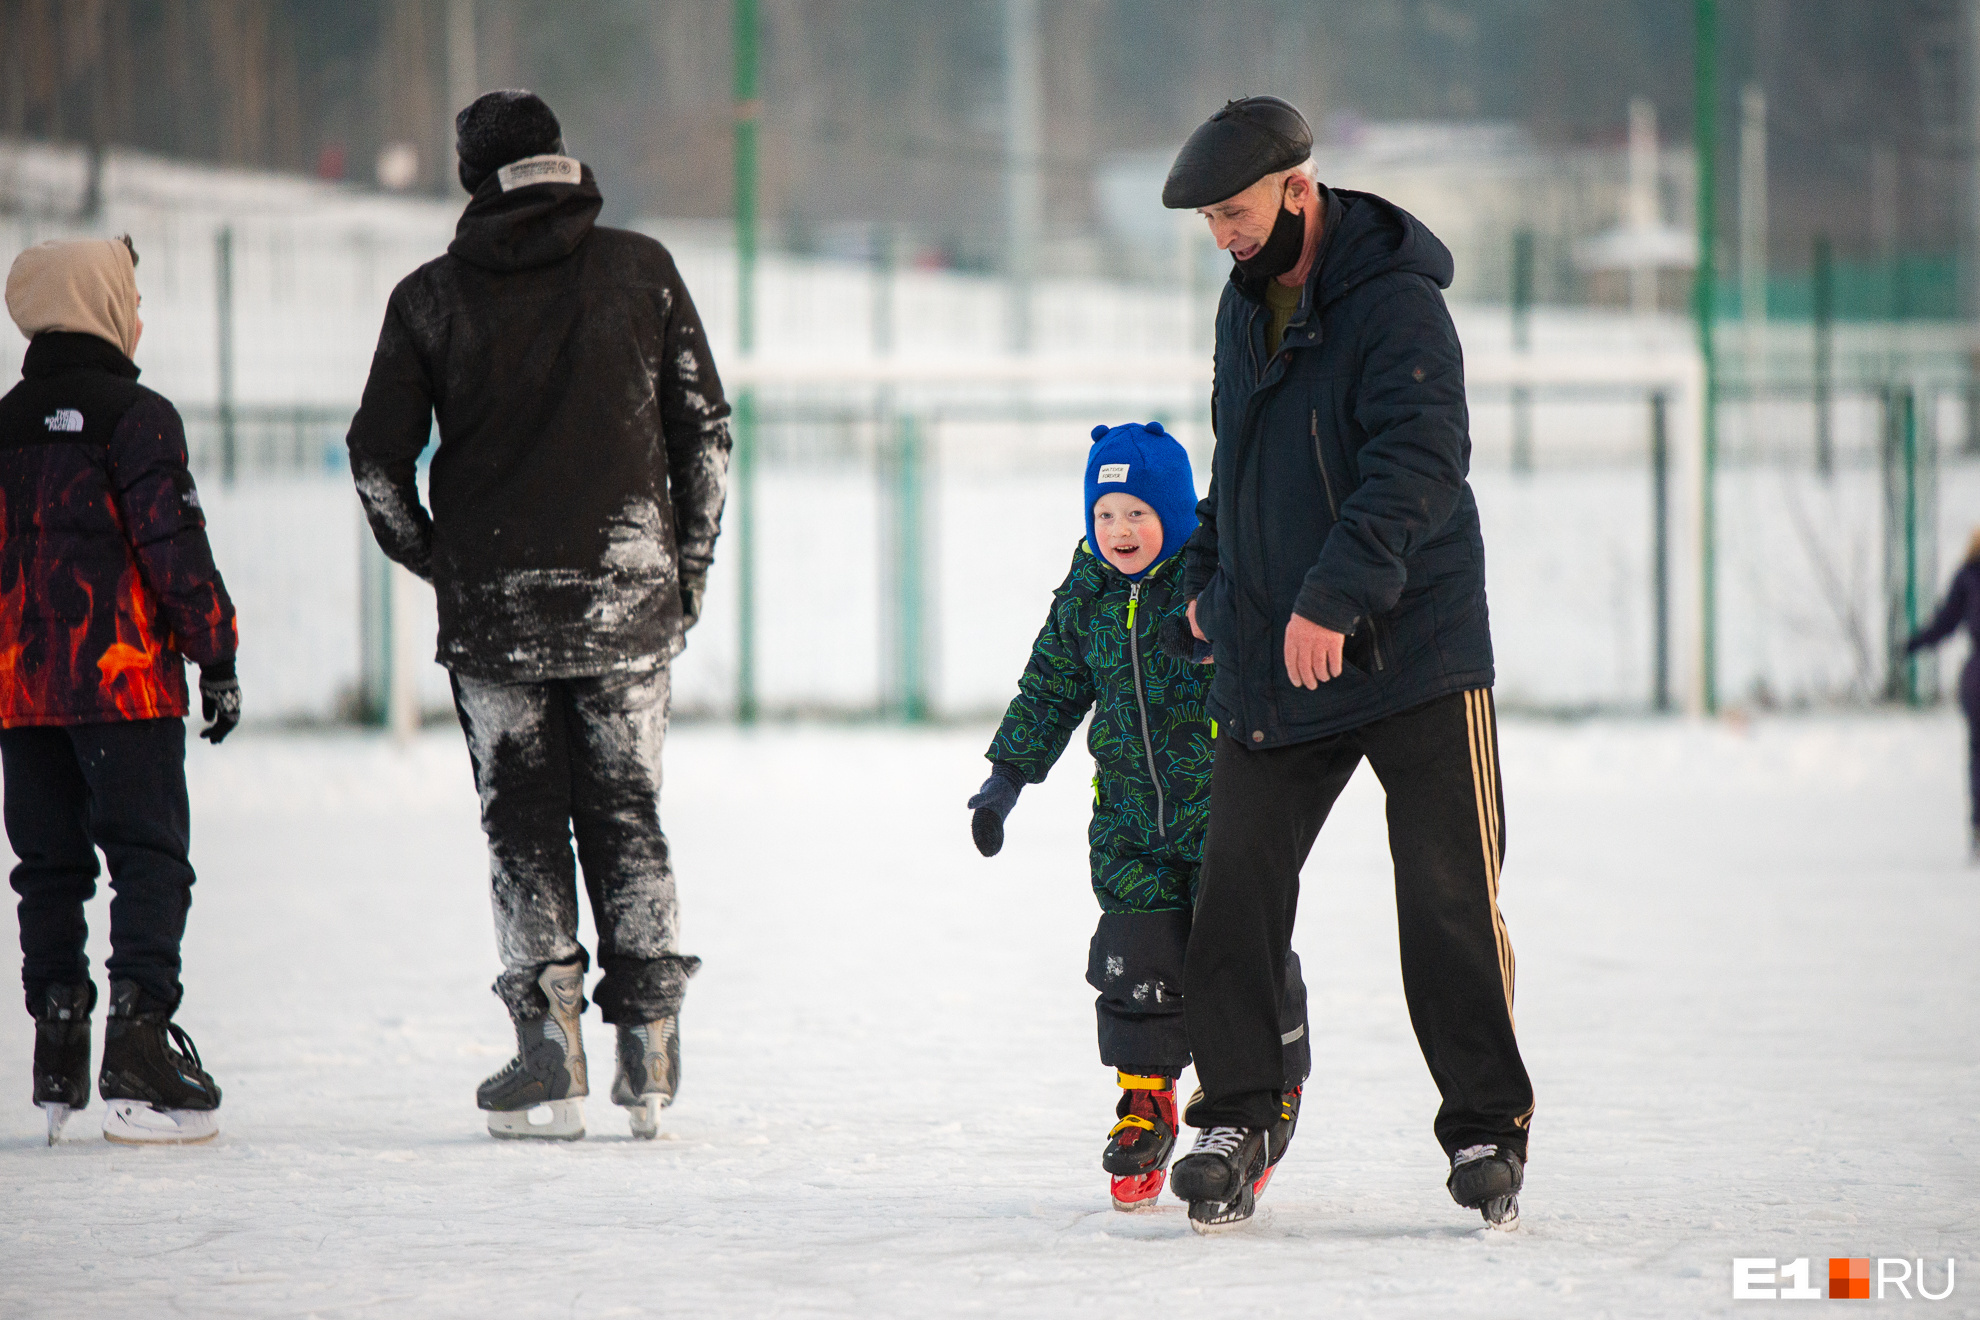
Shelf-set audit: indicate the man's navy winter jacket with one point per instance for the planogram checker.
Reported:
(1338, 490)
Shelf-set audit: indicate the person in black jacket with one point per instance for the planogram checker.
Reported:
(1339, 573)
(1961, 608)
(577, 493)
(107, 587)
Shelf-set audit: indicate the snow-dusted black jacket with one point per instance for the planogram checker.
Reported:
(106, 578)
(1338, 488)
(584, 441)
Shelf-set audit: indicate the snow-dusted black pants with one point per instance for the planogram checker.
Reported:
(577, 757)
(1439, 765)
(120, 787)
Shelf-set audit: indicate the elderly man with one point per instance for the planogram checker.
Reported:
(577, 492)
(1339, 572)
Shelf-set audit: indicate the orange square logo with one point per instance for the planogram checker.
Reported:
(1849, 1277)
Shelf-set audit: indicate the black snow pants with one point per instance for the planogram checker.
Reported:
(120, 787)
(1136, 963)
(578, 757)
(1969, 704)
(1439, 765)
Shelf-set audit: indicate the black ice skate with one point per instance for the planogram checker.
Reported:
(1487, 1179)
(61, 1053)
(649, 1072)
(548, 1071)
(1222, 1176)
(157, 1090)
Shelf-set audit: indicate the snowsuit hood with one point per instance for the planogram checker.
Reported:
(511, 226)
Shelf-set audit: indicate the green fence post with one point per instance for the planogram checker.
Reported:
(1522, 342)
(748, 110)
(1705, 140)
(1910, 437)
(223, 309)
(1660, 536)
(1825, 345)
(910, 599)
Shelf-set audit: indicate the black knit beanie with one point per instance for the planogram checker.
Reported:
(500, 128)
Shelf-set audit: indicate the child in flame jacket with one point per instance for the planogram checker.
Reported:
(107, 587)
(1116, 641)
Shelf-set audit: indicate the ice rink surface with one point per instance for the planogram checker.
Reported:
(1749, 996)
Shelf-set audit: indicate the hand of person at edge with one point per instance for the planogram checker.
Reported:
(1313, 653)
(219, 702)
(1192, 621)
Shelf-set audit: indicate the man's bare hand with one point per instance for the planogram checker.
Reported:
(1313, 653)
(1192, 622)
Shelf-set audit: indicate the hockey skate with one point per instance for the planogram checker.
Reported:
(649, 1072)
(156, 1089)
(1222, 1174)
(1137, 1154)
(61, 1053)
(1487, 1179)
(548, 1072)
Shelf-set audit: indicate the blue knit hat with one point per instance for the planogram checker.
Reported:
(1147, 463)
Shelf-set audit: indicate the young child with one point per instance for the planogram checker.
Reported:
(1151, 742)
(107, 588)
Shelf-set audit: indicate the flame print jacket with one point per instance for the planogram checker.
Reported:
(106, 579)
(1150, 737)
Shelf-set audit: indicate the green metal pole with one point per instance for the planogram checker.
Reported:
(1909, 420)
(223, 299)
(748, 111)
(1705, 143)
(1522, 336)
(1825, 338)
(908, 573)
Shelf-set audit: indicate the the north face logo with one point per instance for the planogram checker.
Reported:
(63, 419)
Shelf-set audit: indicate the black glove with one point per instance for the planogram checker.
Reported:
(991, 804)
(692, 590)
(1178, 642)
(219, 701)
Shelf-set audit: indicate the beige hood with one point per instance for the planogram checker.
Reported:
(86, 285)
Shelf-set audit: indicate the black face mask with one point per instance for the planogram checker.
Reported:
(1280, 252)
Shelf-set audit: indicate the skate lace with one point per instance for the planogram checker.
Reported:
(183, 1043)
(1218, 1141)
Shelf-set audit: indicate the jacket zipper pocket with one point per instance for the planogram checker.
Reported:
(1141, 703)
(1325, 480)
(1375, 642)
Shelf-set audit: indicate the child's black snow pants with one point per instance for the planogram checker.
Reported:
(116, 786)
(1439, 765)
(1136, 963)
(578, 756)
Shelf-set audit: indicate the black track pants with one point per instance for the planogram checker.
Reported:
(578, 757)
(1439, 765)
(120, 787)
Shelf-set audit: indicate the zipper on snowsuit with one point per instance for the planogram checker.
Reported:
(1374, 637)
(1141, 702)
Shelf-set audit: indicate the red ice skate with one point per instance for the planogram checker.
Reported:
(1137, 1154)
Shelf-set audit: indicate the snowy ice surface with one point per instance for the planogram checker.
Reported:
(1748, 999)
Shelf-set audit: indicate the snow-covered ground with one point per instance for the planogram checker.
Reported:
(1749, 998)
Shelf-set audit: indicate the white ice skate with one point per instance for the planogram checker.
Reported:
(135, 1123)
(556, 1120)
(649, 1072)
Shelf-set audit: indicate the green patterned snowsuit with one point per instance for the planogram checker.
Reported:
(1147, 833)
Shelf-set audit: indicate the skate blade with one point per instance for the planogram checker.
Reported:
(559, 1120)
(1140, 1192)
(645, 1116)
(135, 1123)
(58, 1115)
(1504, 1219)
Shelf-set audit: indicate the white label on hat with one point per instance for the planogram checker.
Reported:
(539, 169)
(1110, 472)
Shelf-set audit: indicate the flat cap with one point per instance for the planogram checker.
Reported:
(1235, 148)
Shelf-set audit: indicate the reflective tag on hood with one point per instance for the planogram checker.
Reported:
(539, 169)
